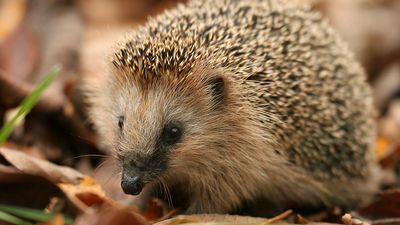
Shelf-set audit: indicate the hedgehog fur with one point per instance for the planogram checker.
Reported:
(295, 122)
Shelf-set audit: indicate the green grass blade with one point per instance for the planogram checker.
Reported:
(27, 213)
(31, 214)
(28, 103)
(12, 219)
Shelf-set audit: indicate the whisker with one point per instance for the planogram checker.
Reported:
(156, 188)
(90, 155)
(106, 182)
(101, 165)
(109, 178)
(84, 156)
(167, 193)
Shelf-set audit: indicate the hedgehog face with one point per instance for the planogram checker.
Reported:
(160, 124)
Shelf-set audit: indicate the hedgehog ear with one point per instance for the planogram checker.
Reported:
(217, 88)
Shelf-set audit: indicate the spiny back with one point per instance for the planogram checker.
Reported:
(217, 34)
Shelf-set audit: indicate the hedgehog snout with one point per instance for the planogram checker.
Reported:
(131, 183)
(137, 173)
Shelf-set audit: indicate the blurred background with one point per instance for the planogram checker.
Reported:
(35, 35)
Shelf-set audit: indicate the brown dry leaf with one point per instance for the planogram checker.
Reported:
(389, 129)
(386, 206)
(8, 85)
(42, 178)
(231, 219)
(58, 27)
(322, 223)
(157, 210)
(389, 125)
(301, 220)
(390, 161)
(19, 54)
(21, 189)
(107, 215)
(30, 165)
(107, 176)
(211, 218)
(86, 193)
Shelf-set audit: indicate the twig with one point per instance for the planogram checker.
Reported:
(278, 217)
(386, 221)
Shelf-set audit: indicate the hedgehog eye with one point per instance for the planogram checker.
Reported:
(121, 120)
(171, 134)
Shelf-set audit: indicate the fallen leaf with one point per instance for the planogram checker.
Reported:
(181, 219)
(387, 205)
(154, 210)
(81, 191)
(30, 165)
(18, 58)
(19, 54)
(58, 27)
(7, 86)
(157, 210)
(107, 215)
(29, 190)
(86, 193)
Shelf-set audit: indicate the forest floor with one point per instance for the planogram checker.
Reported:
(51, 165)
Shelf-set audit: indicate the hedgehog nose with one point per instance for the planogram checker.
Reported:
(131, 185)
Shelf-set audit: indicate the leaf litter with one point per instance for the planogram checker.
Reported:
(34, 39)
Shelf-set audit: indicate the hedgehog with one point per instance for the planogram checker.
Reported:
(232, 101)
